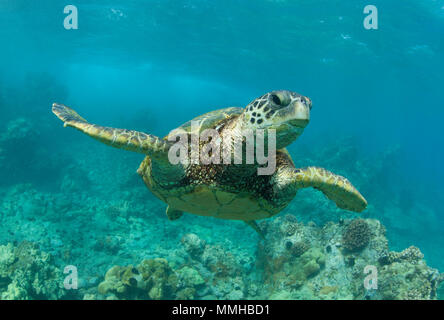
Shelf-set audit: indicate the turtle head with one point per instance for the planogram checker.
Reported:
(284, 111)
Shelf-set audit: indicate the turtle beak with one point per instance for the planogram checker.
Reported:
(297, 114)
(301, 112)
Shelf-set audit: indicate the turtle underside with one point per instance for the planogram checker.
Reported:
(215, 190)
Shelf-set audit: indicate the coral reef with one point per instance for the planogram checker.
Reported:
(335, 269)
(404, 275)
(207, 272)
(28, 273)
(309, 262)
(151, 279)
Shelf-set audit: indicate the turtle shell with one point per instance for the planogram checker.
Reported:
(212, 119)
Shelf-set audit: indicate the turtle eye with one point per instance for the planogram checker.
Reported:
(280, 99)
(276, 99)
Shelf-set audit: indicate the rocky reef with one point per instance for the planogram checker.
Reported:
(151, 279)
(295, 261)
(28, 273)
(333, 262)
(201, 271)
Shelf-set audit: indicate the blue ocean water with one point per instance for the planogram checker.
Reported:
(153, 65)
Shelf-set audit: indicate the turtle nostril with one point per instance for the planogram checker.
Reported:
(308, 102)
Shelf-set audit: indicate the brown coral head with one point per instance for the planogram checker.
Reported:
(297, 248)
(357, 235)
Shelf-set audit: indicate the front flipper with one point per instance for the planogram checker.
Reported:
(173, 214)
(119, 138)
(336, 188)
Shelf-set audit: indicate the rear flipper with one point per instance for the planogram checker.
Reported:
(173, 214)
(255, 226)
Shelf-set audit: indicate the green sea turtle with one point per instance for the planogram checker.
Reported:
(228, 191)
